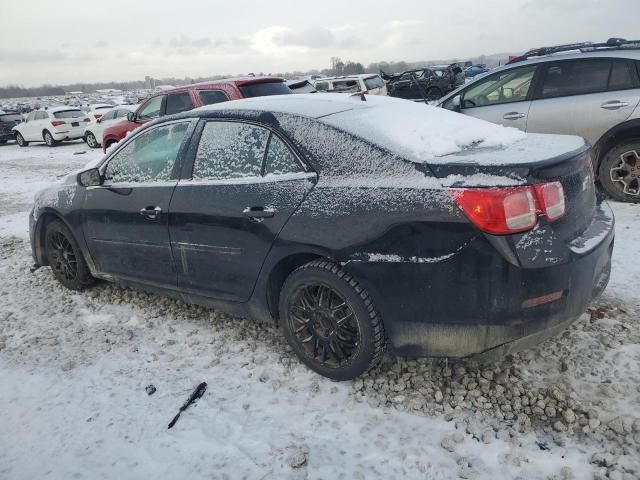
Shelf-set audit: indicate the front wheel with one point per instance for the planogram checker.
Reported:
(91, 140)
(619, 172)
(65, 258)
(48, 139)
(21, 141)
(330, 321)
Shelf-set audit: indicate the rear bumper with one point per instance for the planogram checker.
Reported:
(472, 302)
(68, 135)
(7, 135)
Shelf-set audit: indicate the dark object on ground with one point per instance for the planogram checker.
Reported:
(543, 445)
(150, 389)
(197, 393)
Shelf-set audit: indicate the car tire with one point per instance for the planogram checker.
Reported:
(330, 321)
(21, 141)
(619, 172)
(48, 139)
(65, 257)
(91, 140)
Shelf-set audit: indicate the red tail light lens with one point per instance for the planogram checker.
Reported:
(551, 197)
(499, 211)
(87, 119)
(97, 115)
(57, 123)
(503, 211)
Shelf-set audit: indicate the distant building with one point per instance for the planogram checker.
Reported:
(76, 92)
(149, 82)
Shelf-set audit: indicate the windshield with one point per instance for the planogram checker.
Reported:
(264, 89)
(69, 114)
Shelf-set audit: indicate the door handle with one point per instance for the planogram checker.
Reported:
(614, 105)
(258, 214)
(152, 213)
(513, 116)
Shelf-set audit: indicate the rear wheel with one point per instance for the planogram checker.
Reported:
(65, 258)
(20, 140)
(91, 140)
(619, 172)
(48, 139)
(330, 321)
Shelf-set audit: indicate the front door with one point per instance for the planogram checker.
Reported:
(502, 98)
(226, 217)
(126, 220)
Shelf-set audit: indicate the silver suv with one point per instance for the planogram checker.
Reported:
(590, 90)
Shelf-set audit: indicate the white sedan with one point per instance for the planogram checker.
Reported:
(94, 130)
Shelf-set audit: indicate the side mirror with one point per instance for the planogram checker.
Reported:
(131, 117)
(90, 178)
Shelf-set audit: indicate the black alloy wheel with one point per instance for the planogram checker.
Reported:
(65, 258)
(330, 321)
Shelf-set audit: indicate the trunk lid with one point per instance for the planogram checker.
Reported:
(533, 160)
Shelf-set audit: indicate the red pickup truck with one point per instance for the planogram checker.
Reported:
(181, 99)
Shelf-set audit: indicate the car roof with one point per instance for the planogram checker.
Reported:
(306, 105)
(347, 77)
(237, 81)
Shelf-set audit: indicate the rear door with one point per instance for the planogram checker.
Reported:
(178, 102)
(244, 184)
(126, 220)
(504, 97)
(584, 97)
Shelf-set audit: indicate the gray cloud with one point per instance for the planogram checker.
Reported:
(183, 41)
(312, 38)
(102, 44)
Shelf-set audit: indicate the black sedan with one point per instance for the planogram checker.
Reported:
(432, 232)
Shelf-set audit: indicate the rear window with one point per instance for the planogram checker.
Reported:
(69, 114)
(10, 117)
(374, 82)
(342, 86)
(264, 89)
(213, 96)
(104, 107)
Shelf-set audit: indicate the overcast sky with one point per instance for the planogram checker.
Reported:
(84, 40)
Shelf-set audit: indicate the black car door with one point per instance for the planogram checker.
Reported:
(125, 220)
(244, 185)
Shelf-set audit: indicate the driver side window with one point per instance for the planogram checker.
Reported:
(149, 157)
(504, 87)
(151, 110)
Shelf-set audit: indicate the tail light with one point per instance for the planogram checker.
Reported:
(551, 197)
(57, 123)
(503, 211)
(86, 119)
(97, 115)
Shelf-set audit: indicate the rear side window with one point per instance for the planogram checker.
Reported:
(280, 159)
(230, 150)
(149, 157)
(322, 86)
(621, 77)
(10, 118)
(178, 102)
(264, 89)
(576, 78)
(67, 114)
(213, 96)
(121, 113)
(373, 82)
(42, 116)
(109, 116)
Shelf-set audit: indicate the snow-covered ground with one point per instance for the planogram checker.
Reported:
(74, 367)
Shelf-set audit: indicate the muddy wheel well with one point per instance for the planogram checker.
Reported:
(279, 274)
(41, 229)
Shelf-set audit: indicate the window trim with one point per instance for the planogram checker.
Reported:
(190, 157)
(535, 81)
(180, 158)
